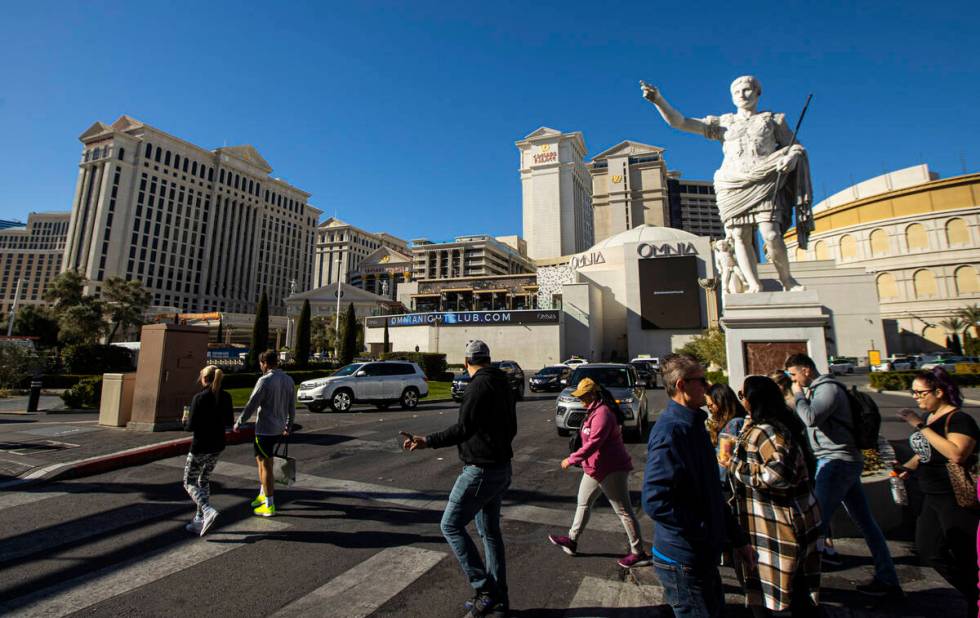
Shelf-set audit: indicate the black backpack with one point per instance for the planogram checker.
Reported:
(865, 417)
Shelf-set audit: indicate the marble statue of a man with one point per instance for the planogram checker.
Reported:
(732, 279)
(759, 152)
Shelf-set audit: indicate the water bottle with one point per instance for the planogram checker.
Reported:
(899, 494)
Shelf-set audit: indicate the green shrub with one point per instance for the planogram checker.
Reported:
(716, 377)
(96, 358)
(432, 364)
(18, 362)
(63, 380)
(86, 394)
(902, 380)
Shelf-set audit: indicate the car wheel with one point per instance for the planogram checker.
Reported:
(384, 405)
(315, 407)
(564, 433)
(342, 401)
(410, 398)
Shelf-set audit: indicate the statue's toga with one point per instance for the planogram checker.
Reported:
(759, 152)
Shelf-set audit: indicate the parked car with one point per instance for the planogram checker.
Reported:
(840, 365)
(646, 373)
(574, 361)
(515, 376)
(549, 378)
(653, 360)
(946, 362)
(381, 383)
(620, 379)
(896, 363)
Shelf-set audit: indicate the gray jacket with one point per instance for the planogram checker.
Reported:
(827, 416)
(273, 400)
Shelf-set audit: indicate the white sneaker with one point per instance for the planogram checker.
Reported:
(209, 516)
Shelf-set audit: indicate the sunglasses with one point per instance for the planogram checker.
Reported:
(916, 394)
(702, 380)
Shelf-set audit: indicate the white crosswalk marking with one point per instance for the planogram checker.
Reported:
(595, 592)
(363, 589)
(600, 521)
(87, 590)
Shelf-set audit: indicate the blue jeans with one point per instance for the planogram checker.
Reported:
(839, 482)
(477, 494)
(692, 593)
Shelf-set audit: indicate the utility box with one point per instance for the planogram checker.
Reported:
(117, 399)
(171, 358)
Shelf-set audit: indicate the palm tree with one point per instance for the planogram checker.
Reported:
(971, 313)
(953, 326)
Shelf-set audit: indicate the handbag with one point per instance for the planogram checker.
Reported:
(283, 466)
(575, 442)
(962, 478)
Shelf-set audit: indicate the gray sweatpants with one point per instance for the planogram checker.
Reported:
(616, 489)
(197, 475)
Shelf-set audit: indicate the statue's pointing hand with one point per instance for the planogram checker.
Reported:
(650, 93)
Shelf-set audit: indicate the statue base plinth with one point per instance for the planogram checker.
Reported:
(764, 328)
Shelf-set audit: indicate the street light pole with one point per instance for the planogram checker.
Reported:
(336, 325)
(13, 308)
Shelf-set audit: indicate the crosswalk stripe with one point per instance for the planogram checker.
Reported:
(363, 589)
(595, 592)
(604, 522)
(87, 590)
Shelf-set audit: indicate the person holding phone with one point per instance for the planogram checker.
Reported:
(945, 532)
(483, 434)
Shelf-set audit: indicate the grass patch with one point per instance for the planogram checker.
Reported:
(437, 390)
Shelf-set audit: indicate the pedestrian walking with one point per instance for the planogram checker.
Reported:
(273, 401)
(210, 412)
(823, 406)
(774, 502)
(945, 445)
(482, 434)
(682, 494)
(606, 467)
(726, 417)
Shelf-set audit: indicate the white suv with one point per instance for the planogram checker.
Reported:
(381, 383)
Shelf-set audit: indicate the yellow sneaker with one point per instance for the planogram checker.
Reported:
(266, 510)
(259, 501)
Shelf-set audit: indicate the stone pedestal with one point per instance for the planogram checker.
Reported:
(116, 406)
(171, 358)
(762, 329)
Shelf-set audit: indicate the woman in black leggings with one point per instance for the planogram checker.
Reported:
(945, 531)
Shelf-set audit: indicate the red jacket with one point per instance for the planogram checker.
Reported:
(602, 449)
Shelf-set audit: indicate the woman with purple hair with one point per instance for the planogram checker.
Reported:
(945, 532)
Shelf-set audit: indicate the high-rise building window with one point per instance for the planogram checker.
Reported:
(121, 154)
(158, 154)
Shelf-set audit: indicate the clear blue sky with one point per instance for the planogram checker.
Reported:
(402, 117)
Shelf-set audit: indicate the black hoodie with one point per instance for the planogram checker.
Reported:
(487, 421)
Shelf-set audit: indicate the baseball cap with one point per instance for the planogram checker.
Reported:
(586, 385)
(477, 350)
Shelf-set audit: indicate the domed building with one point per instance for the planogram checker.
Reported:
(918, 235)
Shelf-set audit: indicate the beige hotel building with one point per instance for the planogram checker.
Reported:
(341, 247)
(203, 230)
(31, 254)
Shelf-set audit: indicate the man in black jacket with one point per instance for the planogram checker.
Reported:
(483, 433)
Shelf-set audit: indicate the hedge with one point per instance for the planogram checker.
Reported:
(902, 380)
(97, 359)
(432, 364)
(86, 394)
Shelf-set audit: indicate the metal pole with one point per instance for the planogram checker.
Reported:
(13, 308)
(336, 326)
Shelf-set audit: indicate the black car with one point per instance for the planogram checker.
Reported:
(646, 373)
(549, 379)
(515, 375)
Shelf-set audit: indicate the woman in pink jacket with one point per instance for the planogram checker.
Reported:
(606, 466)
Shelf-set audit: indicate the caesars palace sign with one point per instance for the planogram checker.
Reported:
(644, 249)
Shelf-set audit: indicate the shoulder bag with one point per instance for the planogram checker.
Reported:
(283, 466)
(963, 478)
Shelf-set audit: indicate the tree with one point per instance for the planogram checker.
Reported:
(260, 332)
(17, 363)
(385, 343)
(220, 336)
(126, 302)
(303, 335)
(65, 290)
(82, 323)
(953, 326)
(348, 336)
(36, 321)
(971, 315)
(323, 334)
(708, 347)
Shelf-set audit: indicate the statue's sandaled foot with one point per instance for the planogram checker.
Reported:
(753, 288)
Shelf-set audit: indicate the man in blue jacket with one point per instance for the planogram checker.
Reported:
(682, 495)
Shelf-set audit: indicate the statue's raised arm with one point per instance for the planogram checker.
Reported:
(670, 115)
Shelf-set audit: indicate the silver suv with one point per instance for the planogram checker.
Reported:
(621, 382)
(381, 383)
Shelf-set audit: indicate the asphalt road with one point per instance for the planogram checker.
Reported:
(358, 536)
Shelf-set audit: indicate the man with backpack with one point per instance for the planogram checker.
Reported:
(839, 424)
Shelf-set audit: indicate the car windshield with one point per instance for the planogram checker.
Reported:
(641, 365)
(550, 371)
(348, 369)
(610, 377)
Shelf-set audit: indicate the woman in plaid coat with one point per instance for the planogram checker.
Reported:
(771, 472)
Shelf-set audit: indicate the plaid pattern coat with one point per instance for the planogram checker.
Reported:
(774, 503)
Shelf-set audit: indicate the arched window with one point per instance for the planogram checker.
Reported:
(966, 280)
(176, 161)
(251, 187)
(957, 232)
(887, 287)
(186, 164)
(917, 237)
(821, 250)
(210, 174)
(159, 153)
(88, 155)
(121, 154)
(166, 158)
(221, 176)
(193, 168)
(237, 180)
(149, 151)
(935, 335)
(848, 247)
(879, 242)
(925, 283)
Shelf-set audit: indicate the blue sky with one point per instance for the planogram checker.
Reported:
(402, 116)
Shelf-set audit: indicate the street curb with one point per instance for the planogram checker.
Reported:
(115, 461)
